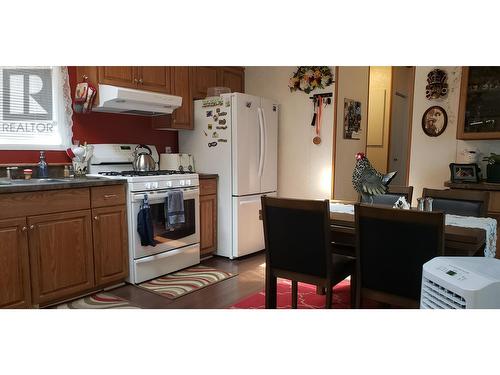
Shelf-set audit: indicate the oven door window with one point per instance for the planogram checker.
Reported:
(162, 233)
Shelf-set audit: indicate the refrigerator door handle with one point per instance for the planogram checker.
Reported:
(262, 140)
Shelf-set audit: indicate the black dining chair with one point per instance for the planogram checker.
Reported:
(392, 245)
(391, 196)
(298, 248)
(459, 202)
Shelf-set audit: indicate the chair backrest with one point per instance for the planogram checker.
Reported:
(391, 196)
(459, 202)
(392, 245)
(297, 235)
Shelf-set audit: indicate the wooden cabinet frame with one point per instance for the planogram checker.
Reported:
(461, 134)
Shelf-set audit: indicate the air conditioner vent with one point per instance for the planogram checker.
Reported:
(435, 296)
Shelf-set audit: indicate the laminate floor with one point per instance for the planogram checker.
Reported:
(250, 279)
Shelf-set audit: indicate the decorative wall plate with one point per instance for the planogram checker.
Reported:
(434, 121)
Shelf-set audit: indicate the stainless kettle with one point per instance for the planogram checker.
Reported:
(143, 161)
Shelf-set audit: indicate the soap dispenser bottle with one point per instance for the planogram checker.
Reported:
(42, 166)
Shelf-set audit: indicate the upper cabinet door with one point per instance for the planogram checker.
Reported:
(203, 77)
(123, 76)
(232, 77)
(154, 78)
(182, 117)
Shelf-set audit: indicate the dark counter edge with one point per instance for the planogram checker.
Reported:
(206, 176)
(483, 185)
(70, 184)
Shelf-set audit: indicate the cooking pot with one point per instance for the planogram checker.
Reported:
(143, 161)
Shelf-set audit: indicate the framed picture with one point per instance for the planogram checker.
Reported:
(434, 121)
(464, 172)
(352, 119)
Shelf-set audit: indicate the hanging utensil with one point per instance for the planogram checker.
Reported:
(313, 122)
(317, 139)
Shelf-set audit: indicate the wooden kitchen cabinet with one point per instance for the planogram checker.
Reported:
(232, 77)
(148, 78)
(182, 118)
(212, 76)
(203, 77)
(154, 78)
(61, 255)
(14, 264)
(208, 215)
(51, 249)
(123, 76)
(109, 228)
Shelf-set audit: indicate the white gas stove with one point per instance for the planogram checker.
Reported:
(175, 248)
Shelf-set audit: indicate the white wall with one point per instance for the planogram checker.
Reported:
(352, 83)
(431, 156)
(304, 169)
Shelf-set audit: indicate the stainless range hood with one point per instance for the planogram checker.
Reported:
(135, 102)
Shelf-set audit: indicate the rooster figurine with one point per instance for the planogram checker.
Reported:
(367, 181)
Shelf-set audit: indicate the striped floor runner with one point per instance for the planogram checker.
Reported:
(185, 281)
(98, 301)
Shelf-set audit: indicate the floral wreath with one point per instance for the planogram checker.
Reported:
(309, 78)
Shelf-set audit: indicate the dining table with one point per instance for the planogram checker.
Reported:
(459, 241)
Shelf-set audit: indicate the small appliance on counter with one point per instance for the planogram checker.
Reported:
(177, 162)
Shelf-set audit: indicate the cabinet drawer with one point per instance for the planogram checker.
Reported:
(43, 202)
(102, 196)
(208, 186)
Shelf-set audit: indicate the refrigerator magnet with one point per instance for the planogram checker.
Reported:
(222, 122)
(209, 126)
(223, 140)
(209, 113)
(216, 117)
(217, 110)
(204, 132)
(222, 113)
(215, 135)
(228, 103)
(212, 144)
(221, 127)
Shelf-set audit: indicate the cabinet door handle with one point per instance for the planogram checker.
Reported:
(24, 229)
(32, 227)
(96, 217)
(107, 196)
(136, 80)
(141, 81)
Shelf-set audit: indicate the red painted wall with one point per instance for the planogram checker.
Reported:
(101, 128)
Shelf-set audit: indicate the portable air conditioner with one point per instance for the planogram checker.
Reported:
(461, 283)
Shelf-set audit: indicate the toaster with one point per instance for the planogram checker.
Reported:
(177, 162)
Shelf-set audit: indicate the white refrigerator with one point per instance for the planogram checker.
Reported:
(236, 136)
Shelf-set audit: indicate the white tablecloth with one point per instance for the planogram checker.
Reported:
(487, 223)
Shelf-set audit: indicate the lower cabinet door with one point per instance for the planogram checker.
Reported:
(14, 264)
(61, 256)
(109, 227)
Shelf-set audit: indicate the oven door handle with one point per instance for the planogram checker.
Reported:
(152, 196)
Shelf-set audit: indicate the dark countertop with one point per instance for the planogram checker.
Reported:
(206, 176)
(69, 183)
(483, 185)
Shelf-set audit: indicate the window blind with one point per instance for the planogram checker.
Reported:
(32, 108)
